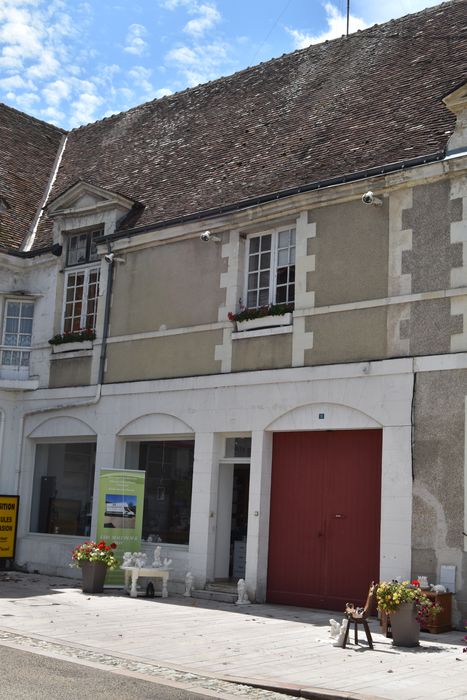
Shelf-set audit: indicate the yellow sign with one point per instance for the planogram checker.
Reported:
(8, 521)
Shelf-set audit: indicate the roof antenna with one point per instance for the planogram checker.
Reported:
(348, 17)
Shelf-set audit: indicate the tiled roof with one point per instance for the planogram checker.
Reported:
(335, 108)
(28, 148)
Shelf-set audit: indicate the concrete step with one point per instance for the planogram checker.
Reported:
(222, 587)
(218, 596)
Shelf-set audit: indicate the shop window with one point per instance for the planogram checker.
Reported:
(167, 500)
(63, 487)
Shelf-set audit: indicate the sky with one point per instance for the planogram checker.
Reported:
(71, 62)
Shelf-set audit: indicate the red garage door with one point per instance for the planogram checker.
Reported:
(325, 517)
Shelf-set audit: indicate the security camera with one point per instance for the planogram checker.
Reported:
(208, 236)
(370, 198)
(111, 258)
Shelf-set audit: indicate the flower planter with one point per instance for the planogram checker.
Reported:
(69, 347)
(252, 324)
(94, 573)
(404, 626)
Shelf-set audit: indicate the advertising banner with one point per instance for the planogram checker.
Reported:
(120, 514)
(8, 522)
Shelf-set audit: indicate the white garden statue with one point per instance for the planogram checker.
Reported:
(337, 631)
(189, 579)
(242, 593)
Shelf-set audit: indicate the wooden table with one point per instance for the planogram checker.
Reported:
(135, 572)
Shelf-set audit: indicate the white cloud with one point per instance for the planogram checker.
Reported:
(135, 42)
(14, 82)
(384, 10)
(140, 78)
(198, 64)
(208, 17)
(336, 27)
(57, 91)
(85, 106)
(162, 92)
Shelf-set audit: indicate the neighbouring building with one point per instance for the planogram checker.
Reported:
(310, 450)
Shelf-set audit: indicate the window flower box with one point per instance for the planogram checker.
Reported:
(70, 347)
(253, 324)
(270, 316)
(73, 340)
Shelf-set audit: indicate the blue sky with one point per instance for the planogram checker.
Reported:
(71, 62)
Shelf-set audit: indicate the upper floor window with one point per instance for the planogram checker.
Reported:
(81, 248)
(81, 284)
(17, 335)
(271, 268)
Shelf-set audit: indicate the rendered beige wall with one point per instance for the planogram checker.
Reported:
(348, 336)
(351, 253)
(182, 355)
(70, 372)
(269, 352)
(176, 285)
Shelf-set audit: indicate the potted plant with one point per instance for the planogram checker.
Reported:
(94, 558)
(73, 340)
(262, 317)
(408, 608)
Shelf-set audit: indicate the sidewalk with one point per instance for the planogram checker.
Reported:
(270, 645)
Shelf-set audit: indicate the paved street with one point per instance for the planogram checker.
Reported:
(276, 646)
(27, 676)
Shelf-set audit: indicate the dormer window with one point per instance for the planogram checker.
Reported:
(81, 248)
(81, 281)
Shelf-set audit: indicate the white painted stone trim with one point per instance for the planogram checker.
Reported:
(262, 332)
(459, 274)
(304, 299)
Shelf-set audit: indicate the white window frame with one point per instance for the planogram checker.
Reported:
(15, 371)
(86, 270)
(274, 233)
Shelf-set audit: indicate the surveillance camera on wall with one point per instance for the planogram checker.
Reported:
(111, 258)
(370, 198)
(208, 236)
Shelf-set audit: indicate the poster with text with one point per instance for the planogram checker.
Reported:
(8, 521)
(120, 514)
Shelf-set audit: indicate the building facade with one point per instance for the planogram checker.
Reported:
(328, 434)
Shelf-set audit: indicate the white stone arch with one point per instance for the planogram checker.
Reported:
(153, 424)
(322, 416)
(62, 427)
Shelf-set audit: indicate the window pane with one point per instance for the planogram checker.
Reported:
(252, 281)
(11, 325)
(265, 261)
(283, 257)
(63, 485)
(238, 447)
(253, 263)
(167, 500)
(24, 341)
(251, 300)
(6, 357)
(24, 359)
(25, 325)
(254, 245)
(263, 297)
(284, 239)
(266, 242)
(281, 295)
(282, 275)
(264, 279)
(13, 308)
(10, 339)
(27, 310)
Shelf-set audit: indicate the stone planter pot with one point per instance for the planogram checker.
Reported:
(72, 347)
(94, 573)
(404, 627)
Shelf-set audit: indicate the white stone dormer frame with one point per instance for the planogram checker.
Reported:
(456, 102)
(84, 205)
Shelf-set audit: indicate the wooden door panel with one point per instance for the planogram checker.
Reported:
(315, 558)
